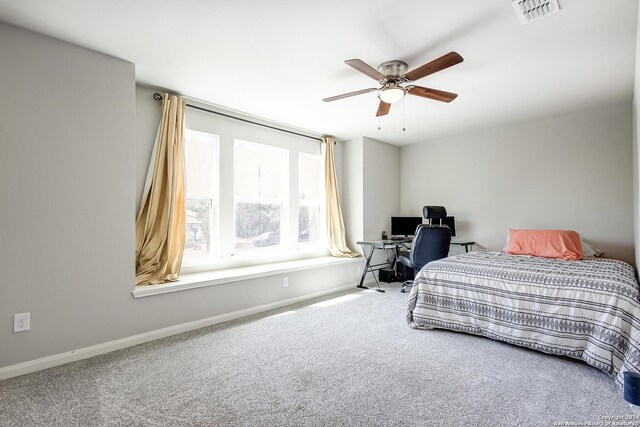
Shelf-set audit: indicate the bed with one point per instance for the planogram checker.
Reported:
(586, 309)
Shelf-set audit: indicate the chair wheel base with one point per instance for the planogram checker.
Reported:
(408, 284)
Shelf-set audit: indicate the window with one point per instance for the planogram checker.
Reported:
(201, 166)
(251, 202)
(310, 198)
(261, 195)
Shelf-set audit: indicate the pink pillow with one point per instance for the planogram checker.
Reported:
(563, 244)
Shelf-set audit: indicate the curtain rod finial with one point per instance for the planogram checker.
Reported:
(329, 136)
(157, 96)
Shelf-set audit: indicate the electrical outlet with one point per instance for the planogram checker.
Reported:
(21, 322)
(285, 282)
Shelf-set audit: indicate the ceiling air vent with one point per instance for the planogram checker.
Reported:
(530, 10)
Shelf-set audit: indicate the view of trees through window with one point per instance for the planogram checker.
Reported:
(310, 198)
(255, 209)
(261, 191)
(258, 224)
(201, 151)
(308, 223)
(198, 225)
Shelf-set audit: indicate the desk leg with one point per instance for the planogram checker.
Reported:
(366, 266)
(396, 255)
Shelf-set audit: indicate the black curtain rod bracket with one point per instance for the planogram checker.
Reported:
(158, 97)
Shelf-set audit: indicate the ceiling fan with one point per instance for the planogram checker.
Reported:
(393, 74)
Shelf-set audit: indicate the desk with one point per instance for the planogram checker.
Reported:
(467, 244)
(389, 246)
(393, 247)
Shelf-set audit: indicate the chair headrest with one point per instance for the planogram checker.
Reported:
(434, 212)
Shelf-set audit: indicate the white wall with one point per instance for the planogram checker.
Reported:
(568, 172)
(71, 175)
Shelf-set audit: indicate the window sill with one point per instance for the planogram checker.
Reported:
(211, 278)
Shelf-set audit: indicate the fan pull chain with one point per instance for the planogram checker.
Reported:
(403, 114)
(378, 122)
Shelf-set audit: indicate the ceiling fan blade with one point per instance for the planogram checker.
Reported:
(365, 69)
(383, 109)
(438, 95)
(346, 95)
(446, 61)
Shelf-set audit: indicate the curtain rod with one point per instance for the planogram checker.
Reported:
(158, 97)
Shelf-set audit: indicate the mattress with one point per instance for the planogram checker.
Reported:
(585, 309)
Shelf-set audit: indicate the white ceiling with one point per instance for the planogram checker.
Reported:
(277, 59)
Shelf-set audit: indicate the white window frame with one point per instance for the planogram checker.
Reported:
(284, 200)
(214, 218)
(321, 202)
(225, 202)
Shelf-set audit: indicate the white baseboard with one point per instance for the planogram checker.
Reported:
(107, 347)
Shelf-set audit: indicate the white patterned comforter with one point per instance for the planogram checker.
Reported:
(585, 309)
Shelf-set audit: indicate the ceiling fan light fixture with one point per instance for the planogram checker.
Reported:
(392, 94)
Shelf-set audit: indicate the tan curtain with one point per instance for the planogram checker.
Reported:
(335, 224)
(160, 222)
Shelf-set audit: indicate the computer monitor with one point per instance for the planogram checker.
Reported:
(404, 225)
(449, 221)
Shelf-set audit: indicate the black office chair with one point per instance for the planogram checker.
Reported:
(430, 243)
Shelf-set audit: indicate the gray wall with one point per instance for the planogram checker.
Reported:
(67, 129)
(636, 151)
(148, 112)
(371, 188)
(381, 187)
(70, 165)
(352, 201)
(568, 172)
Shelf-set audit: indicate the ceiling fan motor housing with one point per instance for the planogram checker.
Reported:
(393, 68)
